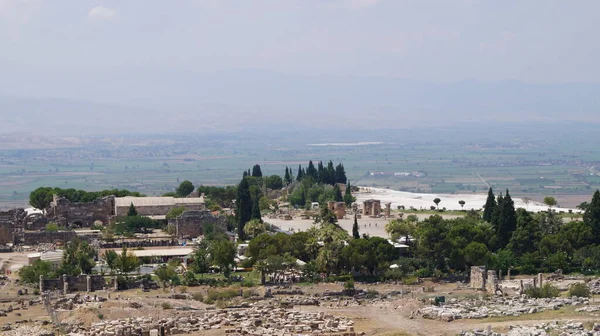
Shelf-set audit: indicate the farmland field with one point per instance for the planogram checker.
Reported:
(425, 160)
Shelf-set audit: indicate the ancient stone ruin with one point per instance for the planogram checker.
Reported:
(191, 224)
(372, 207)
(339, 208)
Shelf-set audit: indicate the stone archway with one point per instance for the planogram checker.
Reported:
(36, 221)
(77, 223)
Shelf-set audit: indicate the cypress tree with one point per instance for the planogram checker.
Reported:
(256, 172)
(591, 217)
(338, 193)
(244, 207)
(490, 206)
(256, 210)
(286, 177)
(348, 199)
(132, 211)
(331, 178)
(312, 171)
(322, 175)
(355, 233)
(300, 174)
(340, 174)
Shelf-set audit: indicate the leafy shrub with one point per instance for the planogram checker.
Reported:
(100, 316)
(424, 273)
(349, 285)
(247, 283)
(247, 294)
(410, 280)
(183, 289)
(227, 294)
(198, 297)
(166, 305)
(547, 291)
(579, 290)
(372, 294)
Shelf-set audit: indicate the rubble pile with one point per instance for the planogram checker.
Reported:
(478, 309)
(594, 286)
(546, 329)
(257, 320)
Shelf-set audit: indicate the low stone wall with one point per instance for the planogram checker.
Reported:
(37, 237)
(478, 277)
(68, 284)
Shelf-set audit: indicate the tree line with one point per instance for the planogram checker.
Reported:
(41, 197)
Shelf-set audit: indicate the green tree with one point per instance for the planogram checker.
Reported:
(127, 262)
(527, 236)
(326, 216)
(300, 174)
(437, 202)
(256, 209)
(165, 273)
(132, 211)
(223, 254)
(78, 257)
(476, 253)
(31, 273)
(41, 197)
(287, 177)
(202, 258)
(340, 174)
(185, 188)
(591, 217)
(256, 172)
(52, 227)
(274, 182)
(431, 241)
(244, 207)
(175, 212)
(255, 228)
(505, 219)
(348, 198)
(550, 201)
(489, 207)
(312, 171)
(355, 232)
(110, 258)
(338, 193)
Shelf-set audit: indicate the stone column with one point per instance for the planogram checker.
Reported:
(540, 280)
(387, 209)
(65, 284)
(115, 283)
(534, 282)
(508, 274)
(41, 284)
(88, 280)
(500, 275)
(521, 289)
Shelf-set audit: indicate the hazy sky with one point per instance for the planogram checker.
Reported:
(536, 41)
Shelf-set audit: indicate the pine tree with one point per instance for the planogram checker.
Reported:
(244, 207)
(498, 213)
(256, 172)
(355, 232)
(490, 206)
(132, 211)
(338, 193)
(302, 199)
(504, 219)
(300, 174)
(591, 217)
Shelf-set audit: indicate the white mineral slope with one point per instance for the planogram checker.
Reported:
(448, 201)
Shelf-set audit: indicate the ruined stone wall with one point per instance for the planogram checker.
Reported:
(339, 208)
(158, 210)
(69, 284)
(37, 237)
(191, 223)
(372, 208)
(67, 213)
(6, 233)
(478, 277)
(491, 284)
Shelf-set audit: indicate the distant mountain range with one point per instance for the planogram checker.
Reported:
(150, 101)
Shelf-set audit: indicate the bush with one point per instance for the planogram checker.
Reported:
(100, 316)
(579, 290)
(247, 283)
(227, 294)
(198, 297)
(166, 305)
(349, 285)
(372, 294)
(547, 291)
(410, 280)
(247, 294)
